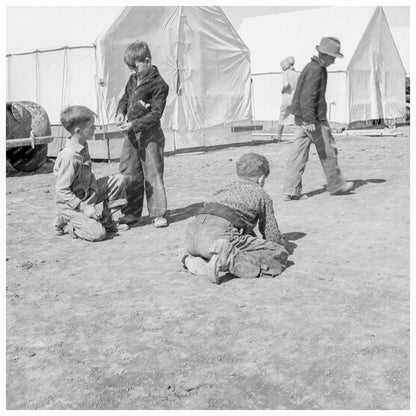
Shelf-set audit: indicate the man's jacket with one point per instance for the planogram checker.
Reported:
(144, 103)
(309, 98)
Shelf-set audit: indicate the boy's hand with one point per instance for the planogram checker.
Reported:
(119, 119)
(126, 127)
(91, 212)
(145, 105)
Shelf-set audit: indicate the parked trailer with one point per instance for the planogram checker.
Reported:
(28, 132)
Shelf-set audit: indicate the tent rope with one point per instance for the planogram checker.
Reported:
(9, 78)
(37, 76)
(63, 90)
(101, 107)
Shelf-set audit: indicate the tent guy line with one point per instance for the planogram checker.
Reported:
(93, 46)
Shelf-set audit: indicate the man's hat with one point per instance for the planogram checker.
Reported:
(330, 46)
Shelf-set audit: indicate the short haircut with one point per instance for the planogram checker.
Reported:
(136, 51)
(252, 165)
(76, 115)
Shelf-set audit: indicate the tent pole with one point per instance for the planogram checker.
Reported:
(177, 78)
(99, 85)
(37, 75)
(9, 78)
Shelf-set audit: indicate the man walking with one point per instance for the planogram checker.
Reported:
(309, 108)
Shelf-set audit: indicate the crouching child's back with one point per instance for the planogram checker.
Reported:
(221, 240)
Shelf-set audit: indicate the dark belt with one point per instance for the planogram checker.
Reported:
(214, 208)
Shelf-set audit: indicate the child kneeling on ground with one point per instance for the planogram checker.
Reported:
(221, 240)
(78, 191)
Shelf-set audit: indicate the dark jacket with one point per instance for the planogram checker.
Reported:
(309, 98)
(152, 90)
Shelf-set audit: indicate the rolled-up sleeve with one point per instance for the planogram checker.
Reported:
(310, 93)
(66, 172)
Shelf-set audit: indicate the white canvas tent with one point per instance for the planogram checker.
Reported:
(369, 83)
(59, 56)
(401, 35)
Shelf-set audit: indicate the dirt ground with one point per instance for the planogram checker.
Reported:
(120, 325)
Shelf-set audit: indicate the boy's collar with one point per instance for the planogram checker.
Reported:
(74, 145)
(250, 180)
(151, 72)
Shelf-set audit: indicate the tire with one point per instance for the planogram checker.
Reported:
(25, 158)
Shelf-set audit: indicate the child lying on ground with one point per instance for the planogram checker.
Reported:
(77, 190)
(221, 240)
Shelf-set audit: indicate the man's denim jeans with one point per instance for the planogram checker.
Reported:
(327, 152)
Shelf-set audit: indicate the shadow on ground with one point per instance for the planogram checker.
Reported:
(357, 184)
(174, 215)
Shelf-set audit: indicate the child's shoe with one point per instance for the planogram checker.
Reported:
(59, 224)
(114, 226)
(213, 270)
(121, 227)
(160, 222)
(128, 219)
(195, 265)
(111, 221)
(288, 197)
(348, 186)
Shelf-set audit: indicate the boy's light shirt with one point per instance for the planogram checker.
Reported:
(75, 181)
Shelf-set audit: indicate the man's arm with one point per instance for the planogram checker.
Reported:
(310, 93)
(158, 103)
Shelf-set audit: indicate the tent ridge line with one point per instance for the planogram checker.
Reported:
(51, 50)
(280, 72)
(232, 28)
(364, 32)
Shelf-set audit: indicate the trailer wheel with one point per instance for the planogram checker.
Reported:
(27, 159)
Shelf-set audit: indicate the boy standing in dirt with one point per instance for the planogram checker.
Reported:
(220, 239)
(138, 115)
(77, 190)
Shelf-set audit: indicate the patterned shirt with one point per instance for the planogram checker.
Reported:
(75, 181)
(253, 203)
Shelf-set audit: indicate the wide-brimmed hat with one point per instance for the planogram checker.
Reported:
(330, 46)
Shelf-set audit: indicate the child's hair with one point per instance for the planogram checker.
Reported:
(287, 63)
(252, 165)
(136, 51)
(76, 115)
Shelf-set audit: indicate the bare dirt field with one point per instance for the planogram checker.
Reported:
(120, 325)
